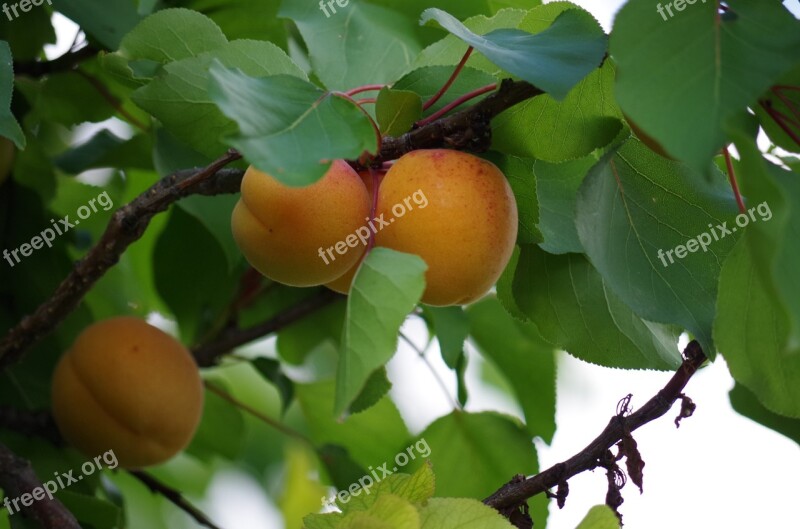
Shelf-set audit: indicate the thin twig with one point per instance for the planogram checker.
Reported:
(512, 495)
(174, 496)
(209, 353)
(125, 227)
(66, 62)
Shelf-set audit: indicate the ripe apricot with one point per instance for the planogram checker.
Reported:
(296, 235)
(129, 387)
(466, 232)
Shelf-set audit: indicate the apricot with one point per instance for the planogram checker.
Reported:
(297, 235)
(129, 387)
(466, 232)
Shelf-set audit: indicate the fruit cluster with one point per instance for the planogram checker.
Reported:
(465, 233)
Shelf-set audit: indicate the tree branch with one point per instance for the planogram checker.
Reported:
(125, 227)
(174, 496)
(17, 478)
(30, 423)
(66, 62)
(468, 130)
(207, 354)
(511, 496)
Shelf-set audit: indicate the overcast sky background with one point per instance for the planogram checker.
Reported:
(718, 470)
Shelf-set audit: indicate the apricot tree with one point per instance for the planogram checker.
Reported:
(327, 175)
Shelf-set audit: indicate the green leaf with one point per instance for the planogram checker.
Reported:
(554, 60)
(170, 35)
(91, 511)
(600, 517)
(376, 387)
(245, 19)
(107, 21)
(8, 123)
(746, 403)
(388, 512)
(271, 370)
(635, 210)
(105, 149)
(185, 240)
(524, 358)
(752, 333)
(386, 288)
(416, 488)
(521, 178)
(370, 437)
(450, 50)
(360, 44)
(179, 96)
(214, 213)
(324, 326)
(574, 308)
(474, 437)
(557, 188)
(27, 37)
(288, 127)
(397, 111)
(773, 225)
(461, 513)
(452, 328)
(556, 131)
(734, 60)
(70, 98)
(222, 427)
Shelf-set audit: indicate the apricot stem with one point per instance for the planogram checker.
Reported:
(377, 177)
(786, 101)
(779, 118)
(458, 102)
(732, 178)
(367, 100)
(432, 101)
(365, 88)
